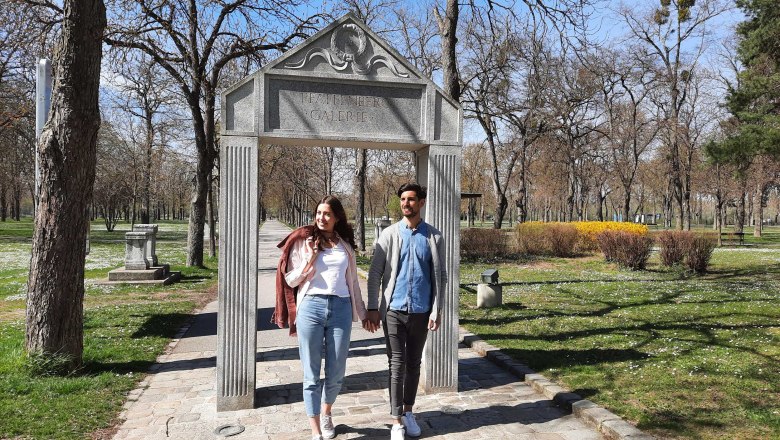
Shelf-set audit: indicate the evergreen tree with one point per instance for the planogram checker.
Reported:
(755, 99)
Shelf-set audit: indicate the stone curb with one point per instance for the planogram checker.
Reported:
(607, 423)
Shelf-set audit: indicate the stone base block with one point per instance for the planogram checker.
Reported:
(123, 274)
(154, 275)
(489, 295)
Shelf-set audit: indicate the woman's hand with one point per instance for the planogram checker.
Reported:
(314, 247)
(370, 325)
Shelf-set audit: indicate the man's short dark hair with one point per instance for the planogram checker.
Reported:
(411, 186)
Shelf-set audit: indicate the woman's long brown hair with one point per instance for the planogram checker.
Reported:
(343, 228)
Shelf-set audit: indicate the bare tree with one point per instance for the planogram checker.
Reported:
(114, 186)
(145, 98)
(66, 149)
(631, 129)
(193, 43)
(487, 77)
(667, 28)
(521, 105)
(562, 14)
(579, 123)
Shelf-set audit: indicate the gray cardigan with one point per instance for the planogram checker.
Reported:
(384, 269)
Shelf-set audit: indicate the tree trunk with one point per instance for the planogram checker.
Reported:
(16, 197)
(448, 26)
(212, 225)
(626, 203)
(146, 185)
(739, 225)
(522, 201)
(500, 209)
(3, 202)
(67, 153)
(758, 204)
(360, 214)
(203, 124)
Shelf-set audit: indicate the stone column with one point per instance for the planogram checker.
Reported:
(135, 251)
(238, 227)
(439, 168)
(151, 242)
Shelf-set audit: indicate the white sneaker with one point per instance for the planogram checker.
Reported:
(316, 437)
(397, 432)
(326, 426)
(410, 423)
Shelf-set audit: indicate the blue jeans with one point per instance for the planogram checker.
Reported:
(324, 324)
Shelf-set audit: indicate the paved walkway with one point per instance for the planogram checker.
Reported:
(178, 398)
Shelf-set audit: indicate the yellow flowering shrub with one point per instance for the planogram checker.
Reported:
(589, 232)
(534, 237)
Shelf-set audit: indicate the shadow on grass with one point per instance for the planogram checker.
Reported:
(557, 358)
(97, 368)
(161, 325)
(193, 279)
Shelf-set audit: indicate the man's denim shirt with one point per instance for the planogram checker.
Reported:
(412, 292)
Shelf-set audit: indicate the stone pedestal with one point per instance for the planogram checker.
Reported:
(141, 265)
(151, 241)
(489, 295)
(135, 251)
(380, 226)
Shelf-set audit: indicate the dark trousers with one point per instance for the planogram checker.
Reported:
(405, 335)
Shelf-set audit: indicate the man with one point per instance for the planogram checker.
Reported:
(406, 290)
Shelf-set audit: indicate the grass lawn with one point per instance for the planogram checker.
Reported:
(126, 328)
(681, 356)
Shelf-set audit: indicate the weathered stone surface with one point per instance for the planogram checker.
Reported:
(489, 295)
(123, 274)
(151, 241)
(154, 275)
(135, 251)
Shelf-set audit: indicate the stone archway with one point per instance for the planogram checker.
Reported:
(342, 87)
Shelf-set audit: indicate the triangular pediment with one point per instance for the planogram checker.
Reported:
(347, 47)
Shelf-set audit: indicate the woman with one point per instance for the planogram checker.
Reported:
(319, 262)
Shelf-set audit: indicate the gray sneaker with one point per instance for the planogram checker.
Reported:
(397, 432)
(326, 426)
(410, 423)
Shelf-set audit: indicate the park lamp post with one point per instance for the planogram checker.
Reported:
(42, 107)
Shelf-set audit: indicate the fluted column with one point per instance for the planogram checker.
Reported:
(439, 168)
(236, 321)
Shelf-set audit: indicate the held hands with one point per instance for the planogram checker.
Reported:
(371, 323)
(434, 325)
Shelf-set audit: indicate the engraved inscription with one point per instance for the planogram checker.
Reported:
(344, 109)
(356, 111)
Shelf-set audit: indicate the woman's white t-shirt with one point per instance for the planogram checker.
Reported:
(330, 272)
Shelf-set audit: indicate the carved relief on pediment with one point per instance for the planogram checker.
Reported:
(350, 51)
